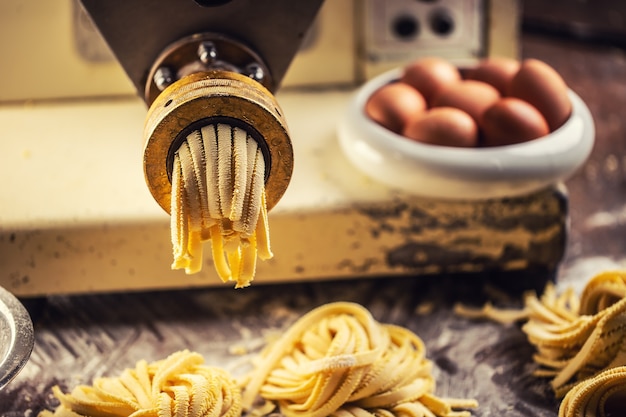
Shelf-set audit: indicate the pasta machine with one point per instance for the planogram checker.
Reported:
(77, 216)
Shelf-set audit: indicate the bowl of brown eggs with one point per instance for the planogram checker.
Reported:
(498, 128)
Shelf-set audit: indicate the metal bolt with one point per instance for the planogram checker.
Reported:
(255, 71)
(163, 77)
(207, 52)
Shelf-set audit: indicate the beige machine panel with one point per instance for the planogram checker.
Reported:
(51, 50)
(42, 59)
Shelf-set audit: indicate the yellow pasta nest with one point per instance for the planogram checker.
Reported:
(579, 341)
(180, 385)
(218, 195)
(338, 361)
(602, 395)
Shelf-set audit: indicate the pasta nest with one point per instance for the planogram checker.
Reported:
(602, 395)
(580, 341)
(178, 386)
(338, 361)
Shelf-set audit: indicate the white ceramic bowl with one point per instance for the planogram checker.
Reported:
(463, 173)
(16, 337)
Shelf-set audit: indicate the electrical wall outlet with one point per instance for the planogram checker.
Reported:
(398, 31)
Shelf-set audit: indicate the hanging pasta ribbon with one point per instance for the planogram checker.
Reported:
(218, 195)
(338, 361)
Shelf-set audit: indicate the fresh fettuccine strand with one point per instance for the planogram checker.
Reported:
(338, 361)
(180, 385)
(218, 195)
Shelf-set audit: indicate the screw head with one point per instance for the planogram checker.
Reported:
(163, 77)
(255, 71)
(207, 52)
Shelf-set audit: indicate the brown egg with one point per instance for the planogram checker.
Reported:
(495, 71)
(512, 120)
(444, 126)
(430, 75)
(539, 84)
(473, 97)
(394, 104)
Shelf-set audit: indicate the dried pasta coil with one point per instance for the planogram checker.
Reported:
(575, 338)
(603, 395)
(218, 195)
(579, 338)
(180, 385)
(338, 361)
(572, 352)
(602, 291)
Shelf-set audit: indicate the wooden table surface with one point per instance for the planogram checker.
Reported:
(80, 337)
